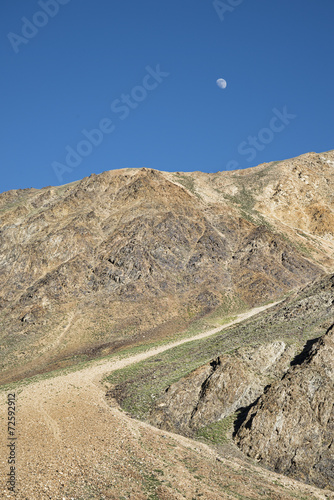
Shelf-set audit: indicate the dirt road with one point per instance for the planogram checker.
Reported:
(72, 445)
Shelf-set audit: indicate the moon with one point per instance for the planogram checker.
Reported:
(221, 83)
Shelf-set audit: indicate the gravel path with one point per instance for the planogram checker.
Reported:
(72, 445)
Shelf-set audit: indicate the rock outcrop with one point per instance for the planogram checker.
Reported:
(291, 427)
(273, 374)
(220, 388)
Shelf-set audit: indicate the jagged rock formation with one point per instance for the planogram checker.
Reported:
(282, 395)
(291, 427)
(91, 266)
(216, 390)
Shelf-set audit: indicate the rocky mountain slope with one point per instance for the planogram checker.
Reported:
(131, 255)
(294, 196)
(217, 390)
(291, 427)
(129, 260)
(272, 383)
(72, 444)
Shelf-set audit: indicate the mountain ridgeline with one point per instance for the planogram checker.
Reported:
(135, 255)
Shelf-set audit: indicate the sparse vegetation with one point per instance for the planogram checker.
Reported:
(216, 433)
(188, 182)
(244, 199)
(141, 384)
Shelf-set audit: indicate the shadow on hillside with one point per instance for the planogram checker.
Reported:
(242, 414)
(300, 358)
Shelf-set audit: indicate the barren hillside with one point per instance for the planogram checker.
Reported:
(268, 381)
(131, 255)
(148, 317)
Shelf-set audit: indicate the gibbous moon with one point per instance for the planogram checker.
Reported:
(221, 83)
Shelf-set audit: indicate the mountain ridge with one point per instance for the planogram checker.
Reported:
(138, 252)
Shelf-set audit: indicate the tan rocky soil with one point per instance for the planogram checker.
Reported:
(72, 444)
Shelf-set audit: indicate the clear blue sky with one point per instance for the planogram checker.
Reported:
(71, 73)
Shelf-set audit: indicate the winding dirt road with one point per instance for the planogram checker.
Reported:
(72, 445)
